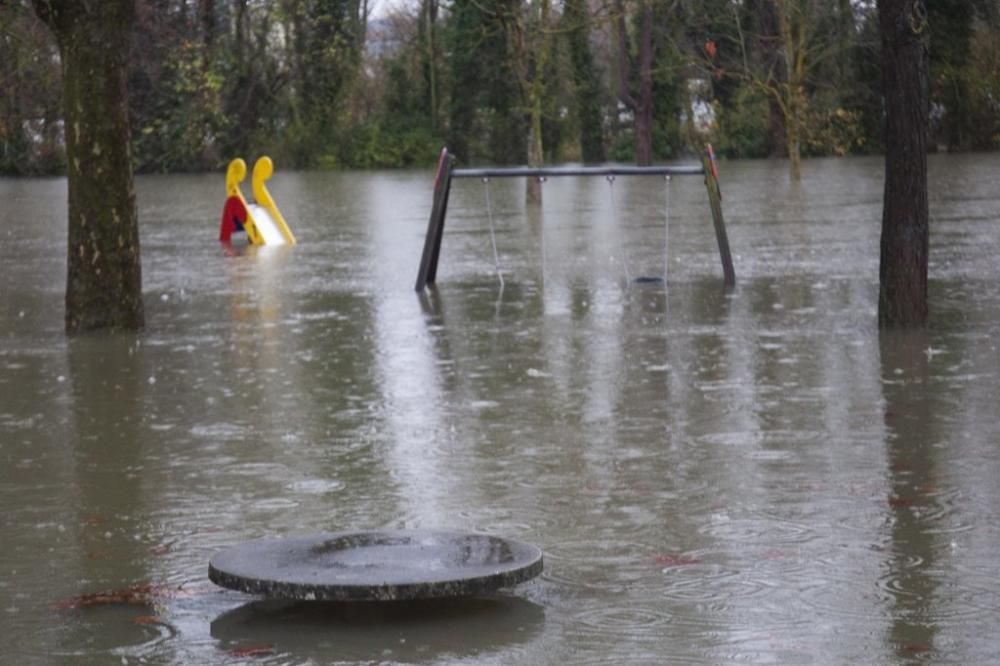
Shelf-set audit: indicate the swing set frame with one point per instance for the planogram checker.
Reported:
(446, 172)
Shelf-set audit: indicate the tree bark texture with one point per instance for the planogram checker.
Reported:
(586, 79)
(103, 281)
(429, 36)
(905, 232)
(767, 43)
(794, 36)
(639, 102)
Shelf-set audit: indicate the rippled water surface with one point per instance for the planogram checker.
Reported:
(751, 476)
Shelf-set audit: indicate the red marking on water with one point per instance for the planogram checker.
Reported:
(161, 550)
(251, 651)
(674, 560)
(138, 594)
(897, 502)
(146, 619)
(916, 648)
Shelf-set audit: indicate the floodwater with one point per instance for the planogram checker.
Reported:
(754, 475)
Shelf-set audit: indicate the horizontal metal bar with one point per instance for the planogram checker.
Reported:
(510, 172)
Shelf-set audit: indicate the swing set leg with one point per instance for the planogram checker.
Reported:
(435, 226)
(715, 201)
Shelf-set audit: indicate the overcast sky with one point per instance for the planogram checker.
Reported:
(380, 8)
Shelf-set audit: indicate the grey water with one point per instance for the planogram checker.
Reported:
(752, 476)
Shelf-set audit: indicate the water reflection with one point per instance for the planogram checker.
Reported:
(108, 381)
(933, 594)
(104, 520)
(418, 440)
(910, 584)
(396, 632)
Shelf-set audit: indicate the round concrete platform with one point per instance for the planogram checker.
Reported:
(376, 566)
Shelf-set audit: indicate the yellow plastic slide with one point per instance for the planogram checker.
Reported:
(264, 223)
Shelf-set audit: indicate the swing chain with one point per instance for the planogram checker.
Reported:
(621, 243)
(493, 239)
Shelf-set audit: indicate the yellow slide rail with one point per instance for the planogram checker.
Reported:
(263, 169)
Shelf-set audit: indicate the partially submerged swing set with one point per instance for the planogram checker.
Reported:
(446, 172)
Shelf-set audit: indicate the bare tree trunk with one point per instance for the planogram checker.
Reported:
(242, 31)
(793, 133)
(791, 23)
(904, 244)
(644, 111)
(576, 25)
(209, 23)
(296, 44)
(103, 282)
(771, 55)
(536, 156)
(529, 39)
(361, 26)
(641, 102)
(428, 26)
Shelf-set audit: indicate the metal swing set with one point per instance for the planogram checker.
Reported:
(446, 172)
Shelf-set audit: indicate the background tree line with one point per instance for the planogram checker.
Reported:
(324, 84)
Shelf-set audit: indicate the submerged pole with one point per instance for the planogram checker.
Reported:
(715, 201)
(435, 225)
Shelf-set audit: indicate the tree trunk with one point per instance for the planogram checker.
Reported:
(536, 154)
(103, 282)
(529, 43)
(241, 31)
(586, 79)
(777, 143)
(904, 244)
(794, 156)
(768, 49)
(641, 102)
(794, 105)
(209, 23)
(791, 25)
(428, 34)
(536, 149)
(644, 110)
